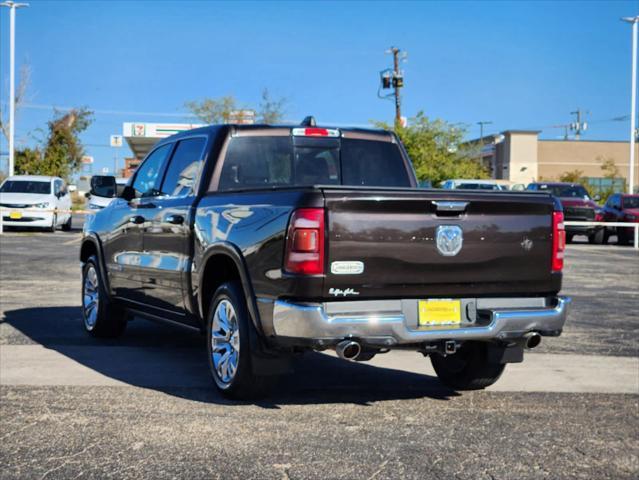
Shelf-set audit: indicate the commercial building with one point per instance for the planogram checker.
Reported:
(521, 157)
(142, 136)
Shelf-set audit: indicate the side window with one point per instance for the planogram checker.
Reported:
(257, 162)
(184, 168)
(147, 178)
(617, 202)
(57, 184)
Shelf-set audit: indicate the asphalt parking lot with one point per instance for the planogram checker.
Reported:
(143, 406)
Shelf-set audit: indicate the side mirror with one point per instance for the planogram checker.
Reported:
(128, 193)
(103, 186)
(597, 198)
(87, 194)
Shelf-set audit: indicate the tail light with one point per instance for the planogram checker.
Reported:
(305, 242)
(558, 241)
(315, 132)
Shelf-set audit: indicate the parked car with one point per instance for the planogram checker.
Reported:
(101, 196)
(620, 208)
(468, 184)
(577, 206)
(279, 240)
(35, 201)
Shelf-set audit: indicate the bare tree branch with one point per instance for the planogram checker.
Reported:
(20, 96)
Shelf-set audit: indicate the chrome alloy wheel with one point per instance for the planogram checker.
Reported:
(90, 298)
(225, 341)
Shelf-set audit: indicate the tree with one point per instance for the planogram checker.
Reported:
(437, 150)
(271, 110)
(611, 172)
(213, 110)
(61, 154)
(219, 110)
(20, 96)
(572, 176)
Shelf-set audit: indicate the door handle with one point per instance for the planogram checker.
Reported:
(175, 219)
(145, 205)
(136, 219)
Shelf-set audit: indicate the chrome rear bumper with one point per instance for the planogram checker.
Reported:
(388, 323)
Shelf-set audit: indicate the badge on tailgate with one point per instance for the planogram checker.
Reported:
(439, 312)
(347, 268)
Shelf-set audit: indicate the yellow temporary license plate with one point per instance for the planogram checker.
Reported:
(15, 215)
(439, 312)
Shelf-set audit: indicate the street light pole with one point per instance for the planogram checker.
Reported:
(12, 74)
(633, 100)
(481, 142)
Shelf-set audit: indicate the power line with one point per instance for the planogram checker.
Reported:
(39, 106)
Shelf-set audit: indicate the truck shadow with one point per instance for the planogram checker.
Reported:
(173, 361)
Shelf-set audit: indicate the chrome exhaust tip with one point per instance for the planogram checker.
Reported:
(348, 350)
(532, 340)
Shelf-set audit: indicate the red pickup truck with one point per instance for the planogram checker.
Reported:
(577, 206)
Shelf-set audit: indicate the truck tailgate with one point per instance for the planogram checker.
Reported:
(506, 247)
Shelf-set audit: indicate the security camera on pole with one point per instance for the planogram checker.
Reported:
(394, 78)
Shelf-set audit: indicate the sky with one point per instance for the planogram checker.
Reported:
(521, 65)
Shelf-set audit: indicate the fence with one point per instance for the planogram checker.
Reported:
(608, 224)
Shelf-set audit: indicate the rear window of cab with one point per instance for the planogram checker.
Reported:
(265, 161)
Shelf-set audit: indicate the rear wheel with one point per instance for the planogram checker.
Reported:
(468, 369)
(67, 225)
(229, 347)
(102, 318)
(569, 237)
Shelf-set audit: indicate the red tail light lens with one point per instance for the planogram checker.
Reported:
(305, 242)
(558, 241)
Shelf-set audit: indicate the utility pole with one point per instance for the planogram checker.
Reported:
(481, 131)
(633, 102)
(578, 126)
(398, 101)
(12, 78)
(481, 140)
(394, 78)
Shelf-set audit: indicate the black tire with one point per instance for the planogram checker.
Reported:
(243, 384)
(66, 227)
(623, 238)
(53, 224)
(468, 369)
(569, 237)
(597, 237)
(110, 319)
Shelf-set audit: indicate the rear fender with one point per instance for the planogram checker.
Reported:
(231, 251)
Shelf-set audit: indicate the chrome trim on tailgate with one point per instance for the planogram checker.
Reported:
(312, 322)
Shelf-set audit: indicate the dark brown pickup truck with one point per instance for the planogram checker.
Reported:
(279, 240)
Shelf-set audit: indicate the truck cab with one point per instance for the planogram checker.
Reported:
(277, 240)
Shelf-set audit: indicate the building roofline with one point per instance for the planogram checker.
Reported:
(583, 141)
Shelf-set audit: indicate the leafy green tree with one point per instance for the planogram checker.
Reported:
(572, 176)
(61, 154)
(437, 149)
(219, 110)
(610, 171)
(213, 110)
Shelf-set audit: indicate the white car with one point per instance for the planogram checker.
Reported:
(35, 201)
(99, 198)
